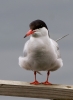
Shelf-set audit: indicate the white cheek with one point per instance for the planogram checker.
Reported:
(41, 32)
(44, 31)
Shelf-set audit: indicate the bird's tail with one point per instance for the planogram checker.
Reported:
(61, 37)
(38, 72)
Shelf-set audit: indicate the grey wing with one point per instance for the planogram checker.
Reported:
(58, 52)
(25, 48)
(56, 47)
(24, 53)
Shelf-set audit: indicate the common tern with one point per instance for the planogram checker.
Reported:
(41, 53)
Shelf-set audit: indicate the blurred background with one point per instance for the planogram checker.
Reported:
(15, 16)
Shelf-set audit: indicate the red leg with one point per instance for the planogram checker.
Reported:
(35, 82)
(46, 82)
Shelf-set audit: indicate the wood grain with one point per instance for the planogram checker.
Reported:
(24, 89)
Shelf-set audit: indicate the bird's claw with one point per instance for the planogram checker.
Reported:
(46, 83)
(35, 82)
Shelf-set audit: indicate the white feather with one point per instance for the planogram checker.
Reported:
(41, 53)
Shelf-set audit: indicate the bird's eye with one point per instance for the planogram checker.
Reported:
(41, 25)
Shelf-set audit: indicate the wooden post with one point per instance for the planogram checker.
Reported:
(24, 89)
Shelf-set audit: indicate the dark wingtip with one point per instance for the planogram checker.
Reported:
(25, 36)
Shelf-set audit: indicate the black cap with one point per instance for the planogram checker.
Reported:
(36, 24)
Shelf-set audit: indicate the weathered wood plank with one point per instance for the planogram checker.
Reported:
(24, 89)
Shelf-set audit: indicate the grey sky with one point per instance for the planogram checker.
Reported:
(15, 16)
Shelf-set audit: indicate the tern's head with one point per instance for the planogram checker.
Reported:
(37, 28)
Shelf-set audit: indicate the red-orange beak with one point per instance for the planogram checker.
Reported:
(29, 33)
